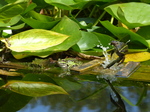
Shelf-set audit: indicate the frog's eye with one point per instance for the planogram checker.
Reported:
(114, 43)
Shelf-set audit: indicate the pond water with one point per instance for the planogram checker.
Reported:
(87, 92)
(99, 102)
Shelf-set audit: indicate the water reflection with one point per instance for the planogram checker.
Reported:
(99, 102)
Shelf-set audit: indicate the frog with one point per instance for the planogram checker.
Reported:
(120, 49)
(68, 63)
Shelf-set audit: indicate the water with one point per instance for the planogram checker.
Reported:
(99, 102)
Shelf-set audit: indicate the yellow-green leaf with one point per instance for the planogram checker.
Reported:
(33, 40)
(34, 89)
(137, 57)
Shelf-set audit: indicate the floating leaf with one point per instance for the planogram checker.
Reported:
(132, 14)
(68, 85)
(33, 41)
(34, 89)
(137, 57)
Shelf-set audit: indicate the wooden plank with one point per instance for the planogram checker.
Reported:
(128, 69)
(86, 66)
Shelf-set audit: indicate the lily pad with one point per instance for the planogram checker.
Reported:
(34, 89)
(132, 14)
(35, 39)
(33, 42)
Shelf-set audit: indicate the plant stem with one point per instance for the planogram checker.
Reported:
(112, 20)
(93, 10)
(77, 13)
(100, 17)
(1, 32)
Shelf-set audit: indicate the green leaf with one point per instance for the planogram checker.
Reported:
(103, 39)
(37, 24)
(2, 3)
(68, 85)
(30, 7)
(11, 10)
(40, 17)
(41, 3)
(34, 89)
(34, 39)
(66, 4)
(34, 42)
(132, 14)
(68, 27)
(13, 99)
(73, 4)
(10, 22)
(88, 41)
(38, 21)
(144, 32)
(14, 27)
(63, 44)
(122, 33)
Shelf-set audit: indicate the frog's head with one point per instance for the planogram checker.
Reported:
(120, 46)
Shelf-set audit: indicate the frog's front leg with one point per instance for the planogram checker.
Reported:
(121, 60)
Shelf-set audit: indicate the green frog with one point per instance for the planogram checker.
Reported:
(68, 63)
(120, 49)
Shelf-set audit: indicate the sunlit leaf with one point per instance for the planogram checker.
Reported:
(35, 42)
(34, 89)
(34, 39)
(137, 57)
(132, 14)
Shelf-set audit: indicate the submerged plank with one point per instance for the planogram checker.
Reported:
(128, 69)
(85, 67)
(131, 70)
